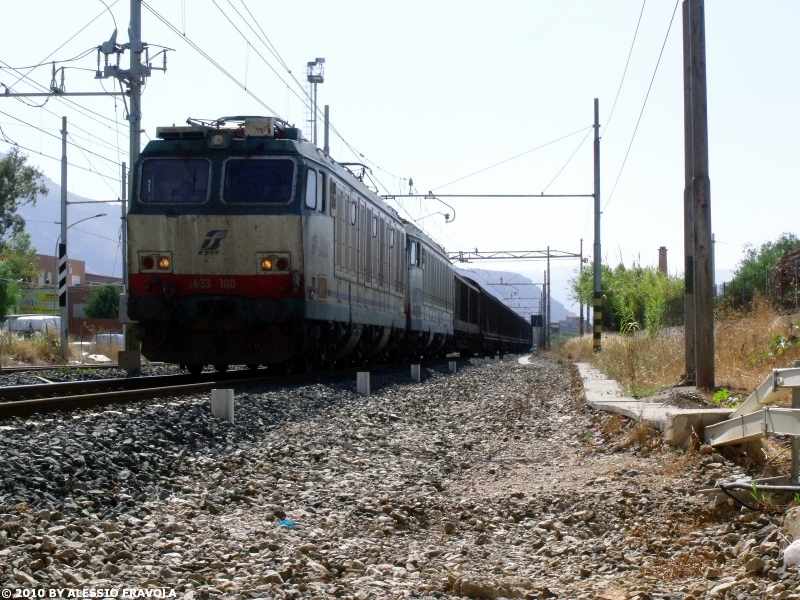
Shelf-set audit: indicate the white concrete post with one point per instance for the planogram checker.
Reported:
(222, 404)
(415, 373)
(452, 366)
(362, 383)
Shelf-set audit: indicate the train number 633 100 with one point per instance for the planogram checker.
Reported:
(207, 283)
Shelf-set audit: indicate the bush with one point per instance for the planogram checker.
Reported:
(103, 303)
(634, 298)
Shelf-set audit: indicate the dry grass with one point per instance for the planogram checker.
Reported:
(642, 365)
(748, 346)
(39, 349)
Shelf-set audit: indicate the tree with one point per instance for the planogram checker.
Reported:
(103, 303)
(20, 256)
(9, 289)
(755, 270)
(19, 185)
(634, 297)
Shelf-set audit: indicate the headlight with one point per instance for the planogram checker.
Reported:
(155, 262)
(273, 263)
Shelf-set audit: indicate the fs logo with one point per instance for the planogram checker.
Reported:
(211, 244)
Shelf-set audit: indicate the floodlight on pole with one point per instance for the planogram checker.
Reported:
(315, 73)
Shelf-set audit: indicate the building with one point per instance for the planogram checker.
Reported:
(41, 297)
(48, 270)
(571, 325)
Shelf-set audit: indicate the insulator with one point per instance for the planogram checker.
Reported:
(165, 61)
(98, 59)
(118, 55)
(147, 55)
(53, 78)
(63, 88)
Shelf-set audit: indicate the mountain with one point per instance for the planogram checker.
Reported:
(502, 285)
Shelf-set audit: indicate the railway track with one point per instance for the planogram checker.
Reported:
(33, 369)
(23, 400)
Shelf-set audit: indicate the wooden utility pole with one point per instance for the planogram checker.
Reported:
(699, 263)
(688, 211)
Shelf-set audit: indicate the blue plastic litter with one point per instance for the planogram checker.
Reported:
(285, 523)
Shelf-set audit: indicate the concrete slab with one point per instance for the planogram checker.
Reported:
(677, 424)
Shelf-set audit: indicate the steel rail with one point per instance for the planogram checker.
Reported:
(143, 388)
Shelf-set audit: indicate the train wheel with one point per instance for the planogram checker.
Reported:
(221, 368)
(194, 369)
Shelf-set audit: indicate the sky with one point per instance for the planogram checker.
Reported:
(439, 91)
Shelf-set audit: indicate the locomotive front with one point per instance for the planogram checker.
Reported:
(215, 245)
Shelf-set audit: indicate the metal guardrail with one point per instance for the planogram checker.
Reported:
(754, 418)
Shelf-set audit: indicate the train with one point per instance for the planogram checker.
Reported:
(248, 245)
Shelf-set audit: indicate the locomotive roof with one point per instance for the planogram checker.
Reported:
(192, 138)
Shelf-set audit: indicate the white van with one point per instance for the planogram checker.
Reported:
(27, 325)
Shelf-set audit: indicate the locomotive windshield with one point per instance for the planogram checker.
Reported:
(258, 180)
(174, 180)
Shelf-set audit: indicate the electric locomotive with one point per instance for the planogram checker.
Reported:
(248, 245)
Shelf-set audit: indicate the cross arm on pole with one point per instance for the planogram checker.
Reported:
(462, 256)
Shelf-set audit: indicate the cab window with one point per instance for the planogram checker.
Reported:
(258, 181)
(174, 181)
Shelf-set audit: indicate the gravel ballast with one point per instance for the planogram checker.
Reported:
(495, 482)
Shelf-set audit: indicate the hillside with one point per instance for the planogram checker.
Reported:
(96, 241)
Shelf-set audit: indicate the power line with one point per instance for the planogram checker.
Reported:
(207, 57)
(58, 138)
(72, 37)
(627, 62)
(62, 99)
(59, 160)
(113, 191)
(49, 63)
(568, 161)
(512, 158)
(270, 47)
(644, 104)
(91, 139)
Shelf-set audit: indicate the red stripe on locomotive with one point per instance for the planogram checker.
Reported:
(250, 286)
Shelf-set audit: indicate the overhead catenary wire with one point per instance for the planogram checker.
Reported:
(205, 55)
(625, 71)
(582, 129)
(111, 160)
(95, 169)
(58, 159)
(91, 139)
(83, 54)
(568, 161)
(644, 104)
(307, 101)
(73, 36)
(67, 101)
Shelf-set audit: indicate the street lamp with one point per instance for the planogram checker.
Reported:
(64, 313)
